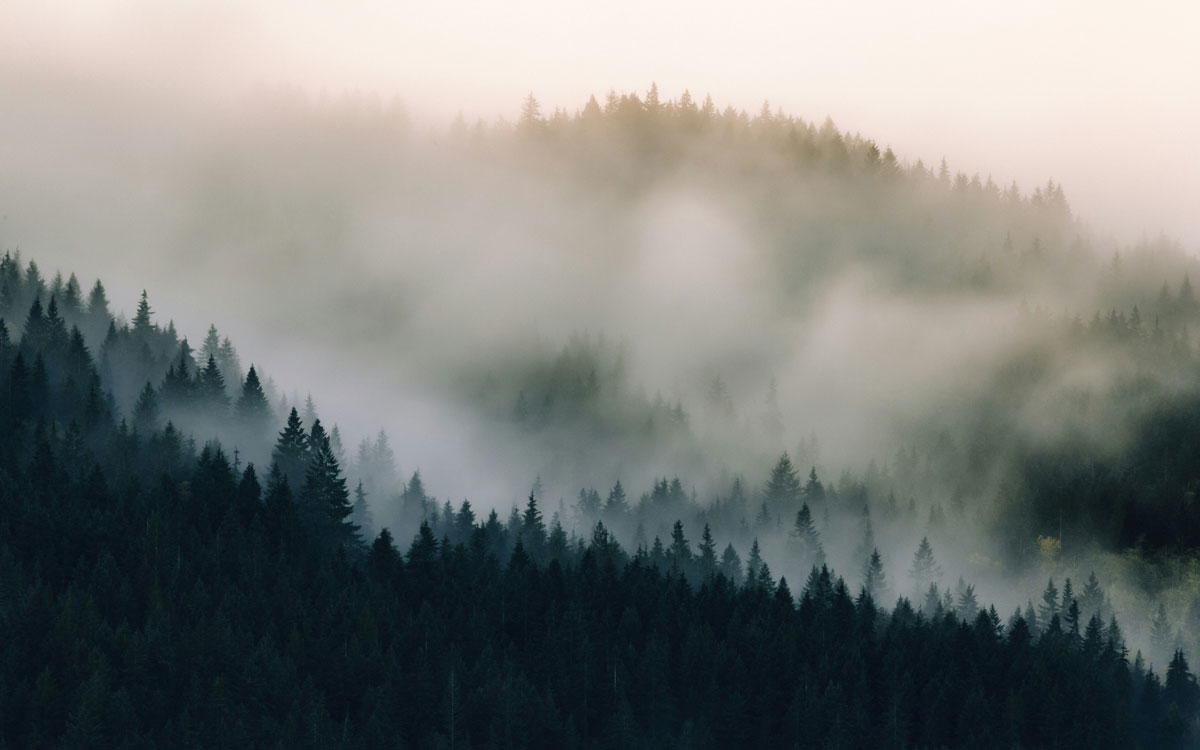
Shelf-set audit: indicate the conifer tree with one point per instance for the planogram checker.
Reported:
(335, 443)
(310, 410)
(325, 499)
(814, 491)
(783, 489)
(1071, 622)
(384, 462)
(71, 298)
(317, 436)
(291, 452)
(1068, 596)
(210, 387)
(968, 604)
(932, 604)
(617, 505)
(252, 409)
(1092, 598)
(179, 386)
(98, 301)
(867, 544)
(754, 563)
(731, 565)
(588, 504)
(1049, 606)
(56, 329)
(1180, 688)
(1093, 638)
(924, 567)
(361, 516)
(1160, 632)
(533, 527)
(707, 557)
(36, 335)
(145, 411)
(762, 520)
(210, 348)
(874, 577)
(680, 552)
(464, 521)
(805, 538)
(142, 324)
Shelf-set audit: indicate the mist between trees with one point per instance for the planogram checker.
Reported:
(710, 341)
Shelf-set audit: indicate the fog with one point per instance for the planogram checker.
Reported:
(996, 88)
(556, 298)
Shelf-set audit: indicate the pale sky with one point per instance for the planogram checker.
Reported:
(1100, 96)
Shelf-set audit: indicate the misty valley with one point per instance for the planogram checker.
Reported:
(653, 424)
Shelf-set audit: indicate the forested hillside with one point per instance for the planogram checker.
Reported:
(157, 593)
(716, 430)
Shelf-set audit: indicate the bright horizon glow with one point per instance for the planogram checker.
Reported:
(1093, 96)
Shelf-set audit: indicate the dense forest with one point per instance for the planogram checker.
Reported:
(159, 595)
(911, 463)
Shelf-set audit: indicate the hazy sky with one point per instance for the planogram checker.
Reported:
(1100, 96)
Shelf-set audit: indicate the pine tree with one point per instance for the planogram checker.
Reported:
(1049, 606)
(1115, 639)
(325, 499)
(383, 559)
(617, 505)
(1093, 638)
(763, 518)
(1068, 596)
(1092, 599)
(863, 551)
(211, 346)
(731, 565)
(36, 334)
(317, 437)
(361, 517)
(924, 567)
(1071, 621)
(56, 329)
(680, 552)
(310, 410)
(1180, 688)
(72, 298)
(292, 450)
(932, 604)
(968, 604)
(335, 443)
(814, 491)
(252, 409)
(142, 324)
(179, 387)
(1160, 632)
(807, 541)
(589, 504)
(413, 499)
(210, 387)
(874, 577)
(145, 411)
(754, 563)
(707, 557)
(97, 306)
(783, 488)
(383, 462)
(533, 527)
(531, 121)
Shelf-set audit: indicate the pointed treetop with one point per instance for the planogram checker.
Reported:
(141, 321)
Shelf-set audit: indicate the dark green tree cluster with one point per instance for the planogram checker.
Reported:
(156, 594)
